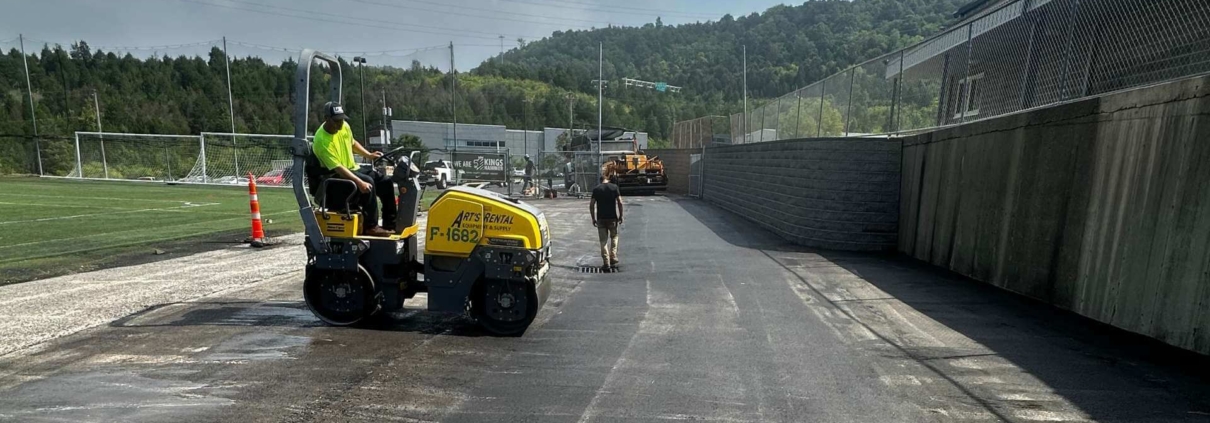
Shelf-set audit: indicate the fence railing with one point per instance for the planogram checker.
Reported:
(209, 158)
(1015, 56)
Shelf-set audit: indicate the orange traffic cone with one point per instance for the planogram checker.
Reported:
(258, 231)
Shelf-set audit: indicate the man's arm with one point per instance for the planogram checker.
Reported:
(324, 153)
(357, 148)
(620, 219)
(345, 173)
(592, 210)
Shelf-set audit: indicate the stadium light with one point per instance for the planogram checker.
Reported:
(364, 132)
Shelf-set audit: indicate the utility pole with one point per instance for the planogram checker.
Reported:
(96, 104)
(525, 123)
(570, 117)
(501, 49)
(386, 113)
(454, 99)
(33, 115)
(365, 133)
(600, 100)
(746, 130)
(230, 108)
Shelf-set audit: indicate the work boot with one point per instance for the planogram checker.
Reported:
(614, 263)
(377, 231)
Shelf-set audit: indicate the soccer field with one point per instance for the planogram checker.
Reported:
(52, 224)
(51, 227)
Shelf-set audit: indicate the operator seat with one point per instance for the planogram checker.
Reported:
(318, 180)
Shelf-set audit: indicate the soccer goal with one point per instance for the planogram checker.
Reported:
(209, 158)
(122, 156)
(228, 158)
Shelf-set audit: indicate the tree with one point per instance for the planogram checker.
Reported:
(413, 143)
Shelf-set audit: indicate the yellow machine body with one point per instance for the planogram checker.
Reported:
(348, 226)
(463, 218)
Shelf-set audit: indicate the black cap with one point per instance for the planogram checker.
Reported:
(333, 109)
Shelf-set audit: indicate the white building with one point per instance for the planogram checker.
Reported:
(439, 137)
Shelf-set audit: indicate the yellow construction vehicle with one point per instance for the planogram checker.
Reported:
(635, 172)
(486, 256)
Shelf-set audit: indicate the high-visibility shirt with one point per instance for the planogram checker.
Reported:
(334, 150)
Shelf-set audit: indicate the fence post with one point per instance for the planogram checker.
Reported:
(1071, 41)
(798, 114)
(823, 89)
(899, 96)
(235, 151)
(777, 120)
(167, 159)
(890, 125)
(79, 162)
(848, 114)
(1028, 70)
(701, 180)
(942, 104)
(964, 103)
(762, 122)
(201, 140)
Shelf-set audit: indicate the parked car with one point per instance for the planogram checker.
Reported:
(275, 177)
(231, 180)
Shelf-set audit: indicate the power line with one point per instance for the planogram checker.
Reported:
(125, 48)
(497, 18)
(312, 17)
(614, 9)
(384, 22)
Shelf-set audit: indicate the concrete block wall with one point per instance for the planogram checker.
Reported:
(835, 193)
(1100, 206)
(676, 167)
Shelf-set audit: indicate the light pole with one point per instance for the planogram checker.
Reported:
(364, 132)
(525, 123)
(96, 104)
(600, 100)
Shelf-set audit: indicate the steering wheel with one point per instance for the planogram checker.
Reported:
(391, 156)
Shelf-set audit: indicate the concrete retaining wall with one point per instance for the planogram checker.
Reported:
(1101, 207)
(676, 167)
(837, 193)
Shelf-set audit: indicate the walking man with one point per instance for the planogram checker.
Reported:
(529, 176)
(606, 211)
(569, 179)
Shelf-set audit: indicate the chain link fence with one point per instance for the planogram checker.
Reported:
(701, 131)
(1015, 55)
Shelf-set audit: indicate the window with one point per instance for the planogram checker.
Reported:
(492, 144)
(968, 96)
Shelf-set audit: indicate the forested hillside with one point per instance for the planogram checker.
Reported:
(787, 47)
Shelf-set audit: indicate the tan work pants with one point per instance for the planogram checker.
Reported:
(607, 230)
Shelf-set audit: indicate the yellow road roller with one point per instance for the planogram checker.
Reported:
(486, 255)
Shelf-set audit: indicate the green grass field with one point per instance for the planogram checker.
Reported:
(55, 226)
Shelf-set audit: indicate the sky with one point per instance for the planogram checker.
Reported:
(390, 32)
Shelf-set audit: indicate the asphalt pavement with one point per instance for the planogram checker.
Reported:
(710, 319)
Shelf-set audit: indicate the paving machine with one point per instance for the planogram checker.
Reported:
(635, 172)
(486, 256)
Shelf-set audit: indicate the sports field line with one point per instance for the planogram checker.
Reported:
(47, 219)
(3, 194)
(118, 232)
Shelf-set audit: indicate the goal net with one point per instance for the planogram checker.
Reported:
(122, 156)
(226, 158)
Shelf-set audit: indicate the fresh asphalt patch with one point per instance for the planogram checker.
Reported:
(712, 319)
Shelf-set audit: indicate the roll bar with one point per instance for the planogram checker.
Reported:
(300, 148)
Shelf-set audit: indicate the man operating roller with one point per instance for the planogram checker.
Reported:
(334, 147)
